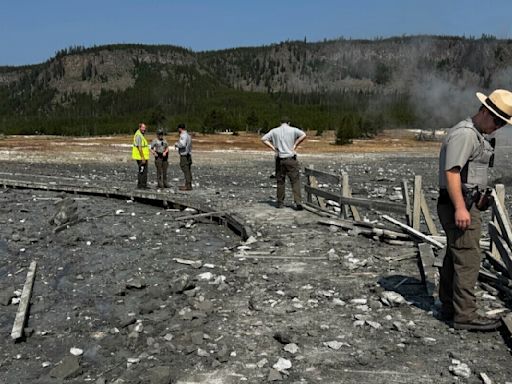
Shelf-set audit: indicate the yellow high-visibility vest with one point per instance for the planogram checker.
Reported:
(144, 145)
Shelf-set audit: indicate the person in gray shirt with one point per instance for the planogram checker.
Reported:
(184, 147)
(463, 162)
(283, 141)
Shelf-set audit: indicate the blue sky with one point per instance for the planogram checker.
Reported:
(31, 31)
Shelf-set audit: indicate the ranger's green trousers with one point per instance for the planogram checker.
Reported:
(461, 264)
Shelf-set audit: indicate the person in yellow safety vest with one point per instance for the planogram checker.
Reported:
(140, 153)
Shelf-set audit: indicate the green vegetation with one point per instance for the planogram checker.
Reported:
(354, 87)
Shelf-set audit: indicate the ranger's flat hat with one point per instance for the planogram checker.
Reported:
(499, 102)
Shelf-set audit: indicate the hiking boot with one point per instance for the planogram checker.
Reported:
(279, 205)
(298, 207)
(142, 187)
(445, 316)
(481, 324)
(185, 188)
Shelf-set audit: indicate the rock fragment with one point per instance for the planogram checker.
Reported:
(69, 367)
(282, 365)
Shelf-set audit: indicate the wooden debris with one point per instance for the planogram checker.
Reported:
(279, 257)
(363, 228)
(502, 246)
(64, 226)
(497, 264)
(427, 270)
(502, 218)
(414, 232)
(416, 209)
(313, 182)
(319, 211)
(405, 194)
(428, 217)
(500, 193)
(358, 202)
(21, 315)
(199, 215)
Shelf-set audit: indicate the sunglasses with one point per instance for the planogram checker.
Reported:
(499, 121)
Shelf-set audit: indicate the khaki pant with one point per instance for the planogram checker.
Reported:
(461, 264)
(161, 172)
(289, 166)
(185, 165)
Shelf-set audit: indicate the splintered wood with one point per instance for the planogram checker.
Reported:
(21, 315)
(427, 270)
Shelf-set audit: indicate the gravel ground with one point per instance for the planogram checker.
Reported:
(141, 297)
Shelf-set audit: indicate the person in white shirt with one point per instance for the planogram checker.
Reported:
(184, 147)
(283, 141)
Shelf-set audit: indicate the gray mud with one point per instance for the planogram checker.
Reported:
(305, 294)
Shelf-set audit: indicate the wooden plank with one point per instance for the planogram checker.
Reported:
(313, 182)
(347, 192)
(278, 257)
(502, 218)
(405, 194)
(426, 214)
(345, 224)
(199, 215)
(414, 232)
(319, 211)
(500, 193)
(416, 209)
(496, 263)
(21, 315)
(355, 212)
(323, 176)
(502, 246)
(366, 203)
(344, 193)
(427, 271)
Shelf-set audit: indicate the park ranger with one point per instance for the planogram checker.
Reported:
(160, 150)
(463, 164)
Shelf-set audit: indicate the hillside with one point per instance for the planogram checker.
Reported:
(357, 85)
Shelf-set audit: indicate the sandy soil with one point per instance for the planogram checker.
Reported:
(117, 148)
(305, 298)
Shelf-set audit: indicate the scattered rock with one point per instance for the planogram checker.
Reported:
(291, 348)
(69, 367)
(160, 375)
(282, 365)
(460, 369)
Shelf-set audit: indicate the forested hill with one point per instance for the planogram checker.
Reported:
(355, 85)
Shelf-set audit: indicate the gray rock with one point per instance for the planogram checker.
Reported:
(135, 284)
(180, 284)
(5, 296)
(69, 367)
(160, 375)
(196, 338)
(149, 306)
(274, 375)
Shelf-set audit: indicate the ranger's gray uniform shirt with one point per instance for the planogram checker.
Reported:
(283, 138)
(159, 146)
(463, 143)
(184, 144)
